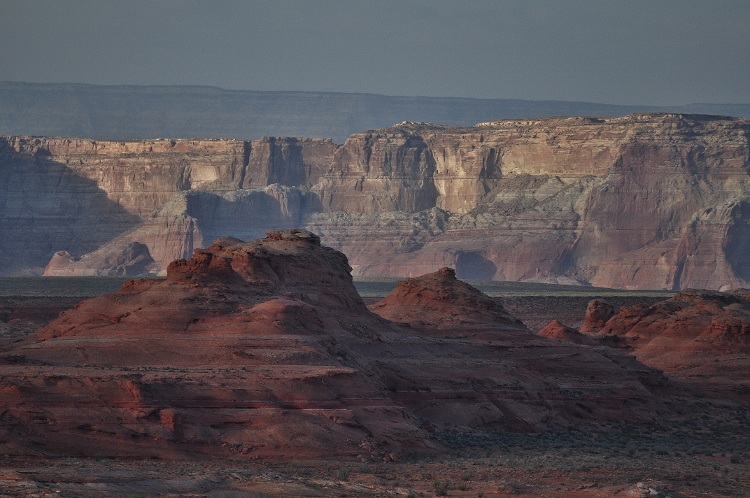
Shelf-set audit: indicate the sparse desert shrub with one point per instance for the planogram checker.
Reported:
(441, 487)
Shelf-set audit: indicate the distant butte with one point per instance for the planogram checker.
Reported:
(440, 303)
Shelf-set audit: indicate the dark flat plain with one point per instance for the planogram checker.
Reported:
(40, 299)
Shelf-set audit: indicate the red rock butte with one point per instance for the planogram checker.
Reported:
(264, 349)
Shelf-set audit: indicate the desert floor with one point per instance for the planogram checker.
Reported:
(705, 453)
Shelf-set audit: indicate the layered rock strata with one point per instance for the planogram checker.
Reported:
(264, 349)
(701, 336)
(84, 196)
(644, 201)
(438, 301)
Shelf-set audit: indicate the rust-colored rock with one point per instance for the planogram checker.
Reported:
(264, 349)
(597, 314)
(702, 336)
(557, 330)
(440, 301)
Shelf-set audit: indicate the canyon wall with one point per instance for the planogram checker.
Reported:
(645, 201)
(642, 201)
(76, 195)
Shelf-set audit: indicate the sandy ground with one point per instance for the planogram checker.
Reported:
(554, 472)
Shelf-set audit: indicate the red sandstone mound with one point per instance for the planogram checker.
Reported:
(245, 348)
(698, 335)
(439, 300)
(557, 330)
(264, 349)
(597, 314)
(486, 348)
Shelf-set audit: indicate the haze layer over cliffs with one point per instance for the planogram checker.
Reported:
(125, 112)
(644, 201)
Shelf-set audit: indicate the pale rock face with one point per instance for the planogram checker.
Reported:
(378, 173)
(78, 195)
(598, 200)
(110, 261)
(714, 246)
(188, 221)
(643, 201)
(287, 161)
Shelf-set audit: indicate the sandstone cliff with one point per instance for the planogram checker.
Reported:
(79, 195)
(644, 201)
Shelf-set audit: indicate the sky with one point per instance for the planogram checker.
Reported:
(640, 52)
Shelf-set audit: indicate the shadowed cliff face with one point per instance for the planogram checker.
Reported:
(644, 201)
(380, 173)
(605, 201)
(92, 199)
(46, 206)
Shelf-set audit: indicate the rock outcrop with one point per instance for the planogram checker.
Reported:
(701, 336)
(187, 221)
(79, 195)
(130, 259)
(598, 312)
(439, 301)
(264, 349)
(644, 201)
(557, 330)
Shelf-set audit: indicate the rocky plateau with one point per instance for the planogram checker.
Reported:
(647, 201)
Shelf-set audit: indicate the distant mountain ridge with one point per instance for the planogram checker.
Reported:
(146, 112)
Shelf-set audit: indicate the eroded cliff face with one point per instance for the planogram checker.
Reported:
(644, 201)
(86, 196)
(614, 202)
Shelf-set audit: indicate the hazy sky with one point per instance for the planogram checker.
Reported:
(662, 52)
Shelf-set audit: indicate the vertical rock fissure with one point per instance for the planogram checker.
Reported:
(246, 149)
